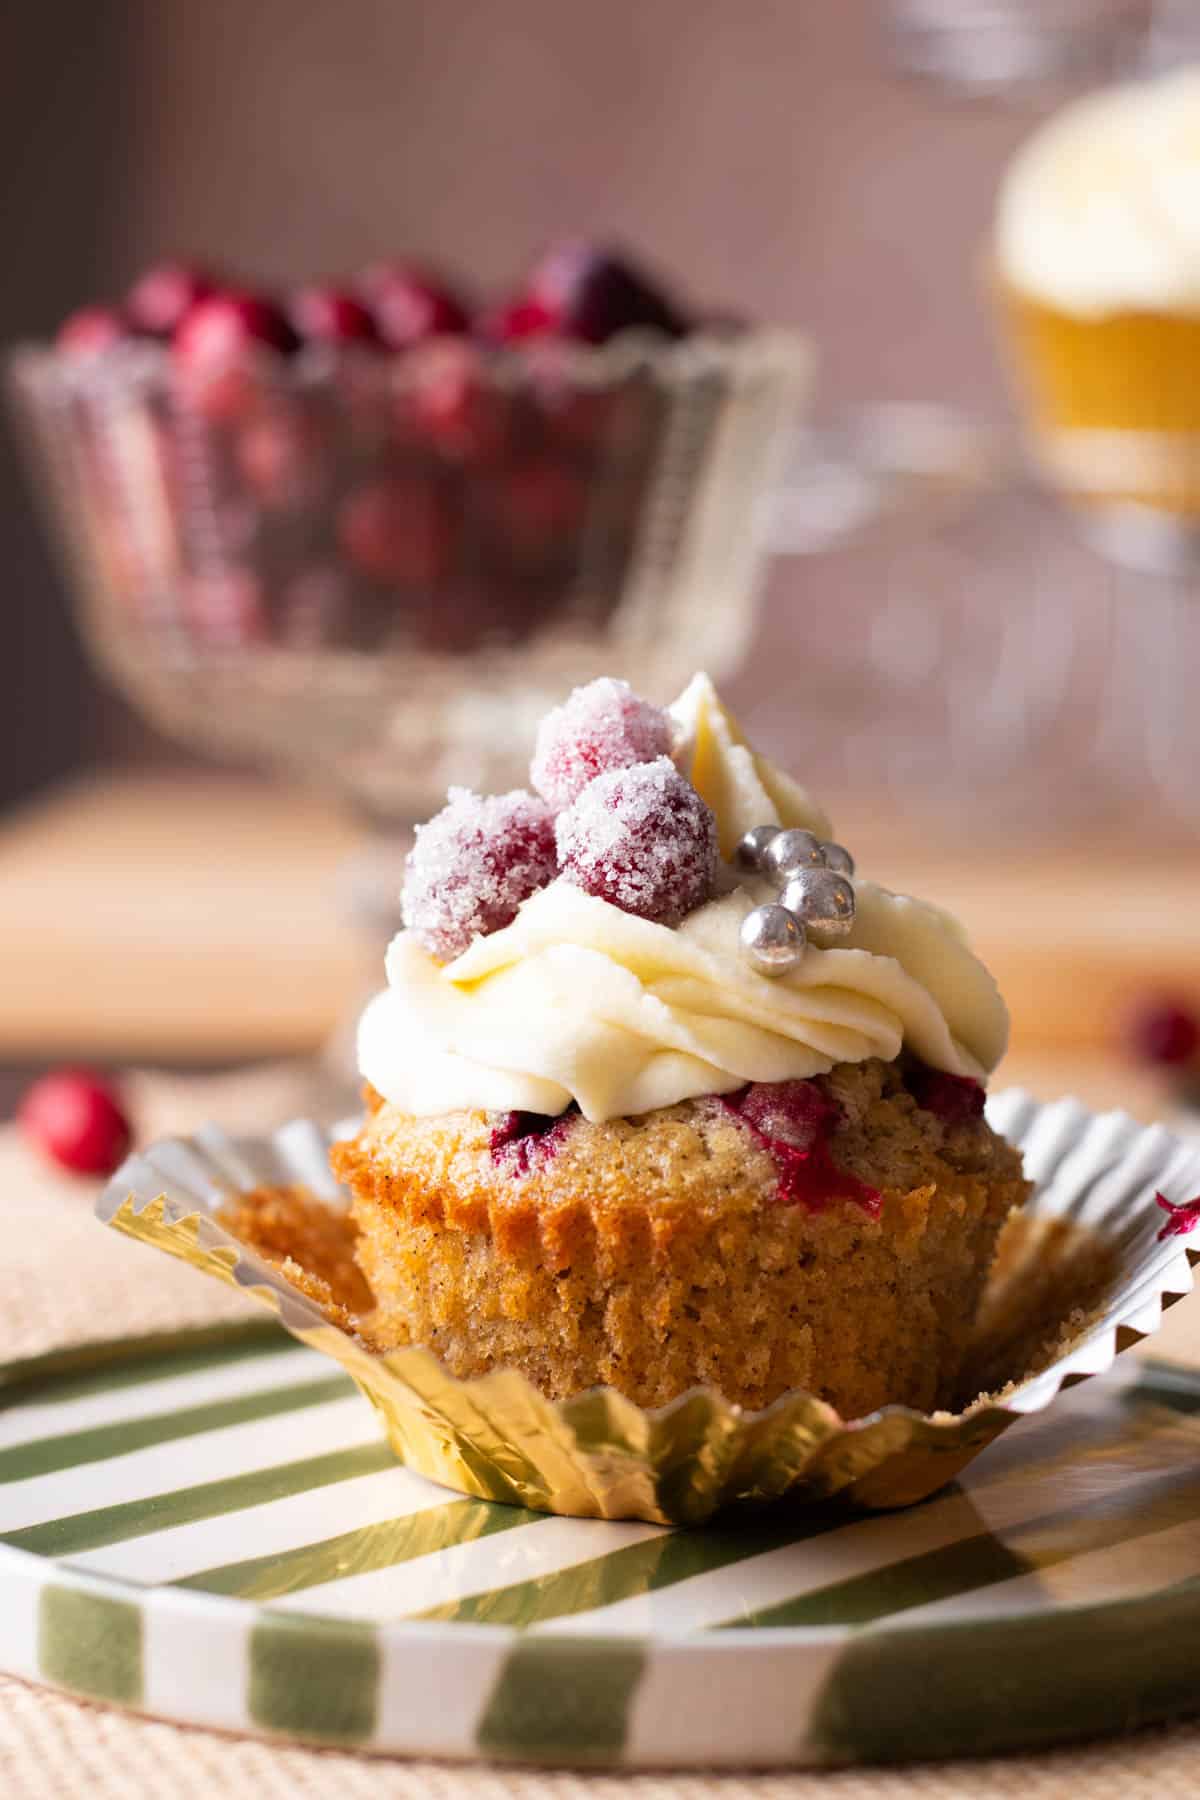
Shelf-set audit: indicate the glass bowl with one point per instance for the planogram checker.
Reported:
(380, 570)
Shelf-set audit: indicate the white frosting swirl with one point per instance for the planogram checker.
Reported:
(577, 1000)
(1098, 212)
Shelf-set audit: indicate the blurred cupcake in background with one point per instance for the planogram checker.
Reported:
(1097, 259)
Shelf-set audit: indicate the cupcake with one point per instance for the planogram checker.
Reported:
(662, 1093)
(1097, 257)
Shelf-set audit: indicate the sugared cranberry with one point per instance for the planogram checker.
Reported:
(75, 1117)
(279, 456)
(161, 298)
(794, 1121)
(954, 1099)
(1163, 1031)
(598, 728)
(642, 839)
(397, 530)
(92, 330)
(523, 1141)
(411, 305)
(585, 292)
(330, 315)
(472, 865)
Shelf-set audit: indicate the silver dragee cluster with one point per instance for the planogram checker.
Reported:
(816, 894)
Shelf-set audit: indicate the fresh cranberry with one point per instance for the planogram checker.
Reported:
(161, 298)
(75, 1117)
(517, 321)
(539, 507)
(794, 1121)
(642, 839)
(954, 1099)
(331, 315)
(523, 1141)
(1164, 1031)
(279, 456)
(581, 291)
(217, 344)
(411, 305)
(91, 330)
(397, 530)
(454, 406)
(599, 727)
(226, 610)
(1183, 1216)
(472, 866)
(229, 324)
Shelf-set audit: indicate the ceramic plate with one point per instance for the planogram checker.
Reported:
(209, 1529)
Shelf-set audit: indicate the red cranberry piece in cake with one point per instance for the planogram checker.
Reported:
(76, 1119)
(794, 1121)
(524, 1141)
(397, 530)
(642, 839)
(598, 728)
(472, 865)
(410, 305)
(589, 293)
(324, 314)
(954, 1099)
(91, 330)
(1164, 1031)
(161, 298)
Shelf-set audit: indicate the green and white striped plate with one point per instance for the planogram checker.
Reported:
(209, 1528)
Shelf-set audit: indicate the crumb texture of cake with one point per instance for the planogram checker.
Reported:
(656, 1253)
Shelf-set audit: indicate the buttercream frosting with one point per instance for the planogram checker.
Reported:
(1099, 211)
(579, 1001)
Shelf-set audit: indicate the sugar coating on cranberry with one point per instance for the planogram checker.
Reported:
(598, 728)
(473, 864)
(642, 839)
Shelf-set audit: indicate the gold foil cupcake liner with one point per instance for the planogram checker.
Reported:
(1086, 1270)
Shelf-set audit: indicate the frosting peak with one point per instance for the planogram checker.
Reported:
(579, 1001)
(1097, 213)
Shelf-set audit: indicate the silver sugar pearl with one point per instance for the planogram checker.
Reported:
(821, 900)
(751, 852)
(772, 940)
(791, 851)
(838, 858)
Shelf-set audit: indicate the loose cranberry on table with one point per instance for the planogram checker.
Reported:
(411, 305)
(585, 292)
(75, 1117)
(93, 329)
(323, 314)
(160, 299)
(1164, 1031)
(398, 529)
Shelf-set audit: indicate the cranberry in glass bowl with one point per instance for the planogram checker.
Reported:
(347, 533)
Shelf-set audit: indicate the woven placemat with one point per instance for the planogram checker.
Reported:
(64, 1280)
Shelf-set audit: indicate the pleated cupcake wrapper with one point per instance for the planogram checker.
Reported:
(598, 1454)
